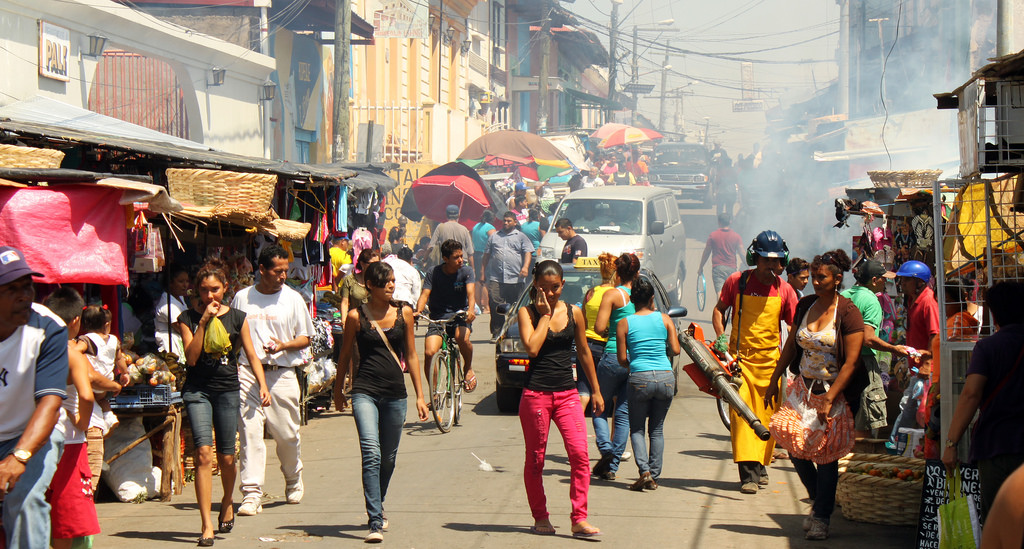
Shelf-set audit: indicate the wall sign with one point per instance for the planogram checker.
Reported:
(54, 51)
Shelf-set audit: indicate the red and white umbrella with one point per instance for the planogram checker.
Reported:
(608, 129)
(628, 136)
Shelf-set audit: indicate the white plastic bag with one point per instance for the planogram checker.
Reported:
(132, 474)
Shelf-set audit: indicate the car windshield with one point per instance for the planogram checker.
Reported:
(602, 215)
(686, 156)
(577, 284)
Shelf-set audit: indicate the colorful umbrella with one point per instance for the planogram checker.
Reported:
(452, 183)
(608, 129)
(628, 136)
(512, 143)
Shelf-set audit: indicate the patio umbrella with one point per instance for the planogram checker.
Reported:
(513, 143)
(628, 136)
(452, 183)
(608, 129)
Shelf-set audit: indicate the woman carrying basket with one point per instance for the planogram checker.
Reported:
(823, 349)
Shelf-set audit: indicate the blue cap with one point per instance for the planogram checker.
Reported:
(452, 210)
(13, 265)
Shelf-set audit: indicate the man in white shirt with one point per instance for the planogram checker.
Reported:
(280, 326)
(593, 178)
(33, 377)
(407, 278)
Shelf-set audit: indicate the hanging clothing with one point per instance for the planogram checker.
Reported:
(341, 211)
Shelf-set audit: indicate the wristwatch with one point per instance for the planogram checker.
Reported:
(22, 455)
(952, 443)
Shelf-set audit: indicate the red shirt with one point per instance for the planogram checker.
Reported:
(731, 288)
(725, 246)
(922, 320)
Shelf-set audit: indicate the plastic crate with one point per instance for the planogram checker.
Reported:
(136, 397)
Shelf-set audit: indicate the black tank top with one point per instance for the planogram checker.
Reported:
(551, 370)
(378, 374)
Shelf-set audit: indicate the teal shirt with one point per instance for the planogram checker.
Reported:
(532, 231)
(646, 340)
(870, 309)
(613, 321)
(479, 236)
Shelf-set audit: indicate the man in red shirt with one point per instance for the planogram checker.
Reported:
(723, 246)
(922, 310)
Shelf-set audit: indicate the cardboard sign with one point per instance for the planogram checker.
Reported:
(934, 494)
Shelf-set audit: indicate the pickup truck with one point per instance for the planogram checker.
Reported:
(685, 169)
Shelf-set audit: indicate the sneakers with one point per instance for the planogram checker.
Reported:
(748, 488)
(293, 492)
(763, 481)
(376, 535)
(817, 531)
(625, 456)
(250, 507)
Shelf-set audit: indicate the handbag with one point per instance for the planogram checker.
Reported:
(957, 516)
(380, 332)
(795, 425)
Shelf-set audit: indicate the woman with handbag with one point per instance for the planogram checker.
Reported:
(823, 350)
(383, 331)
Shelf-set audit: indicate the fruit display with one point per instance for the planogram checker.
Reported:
(883, 471)
(152, 369)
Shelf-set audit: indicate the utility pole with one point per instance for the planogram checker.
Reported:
(635, 70)
(342, 64)
(545, 62)
(613, 34)
(844, 57)
(881, 54)
(664, 81)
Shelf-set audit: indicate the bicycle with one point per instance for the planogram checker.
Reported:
(446, 375)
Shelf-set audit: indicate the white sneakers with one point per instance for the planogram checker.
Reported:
(110, 422)
(293, 492)
(625, 456)
(375, 536)
(250, 507)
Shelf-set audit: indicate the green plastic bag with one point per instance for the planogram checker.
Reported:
(216, 343)
(956, 524)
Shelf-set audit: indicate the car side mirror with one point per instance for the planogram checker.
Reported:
(657, 227)
(676, 312)
(503, 309)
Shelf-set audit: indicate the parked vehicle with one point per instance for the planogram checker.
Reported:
(510, 358)
(683, 168)
(637, 219)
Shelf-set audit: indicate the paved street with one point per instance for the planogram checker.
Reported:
(440, 498)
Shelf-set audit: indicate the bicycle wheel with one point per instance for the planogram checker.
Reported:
(702, 291)
(441, 395)
(457, 387)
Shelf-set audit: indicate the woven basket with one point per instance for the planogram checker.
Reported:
(13, 156)
(228, 191)
(290, 230)
(904, 178)
(879, 500)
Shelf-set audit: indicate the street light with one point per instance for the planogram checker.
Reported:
(636, 32)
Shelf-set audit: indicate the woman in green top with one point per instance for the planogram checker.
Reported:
(611, 376)
(353, 286)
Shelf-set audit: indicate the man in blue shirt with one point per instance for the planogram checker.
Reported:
(506, 264)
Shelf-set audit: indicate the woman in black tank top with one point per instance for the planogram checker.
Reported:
(378, 385)
(548, 328)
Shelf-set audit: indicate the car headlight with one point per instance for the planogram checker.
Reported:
(703, 178)
(546, 253)
(512, 345)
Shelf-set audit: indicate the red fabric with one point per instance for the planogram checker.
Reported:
(73, 233)
(725, 245)
(72, 511)
(922, 323)
(731, 288)
(814, 441)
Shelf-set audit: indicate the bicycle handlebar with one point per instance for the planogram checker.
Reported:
(458, 315)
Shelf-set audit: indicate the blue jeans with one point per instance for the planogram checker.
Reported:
(821, 482)
(612, 379)
(26, 514)
(650, 395)
(212, 411)
(379, 422)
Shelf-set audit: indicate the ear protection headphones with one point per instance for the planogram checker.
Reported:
(771, 236)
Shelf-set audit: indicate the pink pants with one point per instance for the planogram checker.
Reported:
(536, 411)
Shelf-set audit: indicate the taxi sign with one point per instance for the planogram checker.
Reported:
(587, 263)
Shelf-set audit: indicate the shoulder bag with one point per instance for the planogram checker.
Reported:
(383, 336)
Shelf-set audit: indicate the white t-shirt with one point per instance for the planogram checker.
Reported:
(407, 280)
(33, 364)
(282, 315)
(178, 306)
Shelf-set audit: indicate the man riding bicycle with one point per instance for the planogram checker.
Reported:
(446, 289)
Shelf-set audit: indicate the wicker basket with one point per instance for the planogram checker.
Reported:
(228, 191)
(904, 178)
(13, 156)
(879, 500)
(290, 230)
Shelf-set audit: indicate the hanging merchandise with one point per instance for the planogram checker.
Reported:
(149, 247)
(362, 239)
(341, 221)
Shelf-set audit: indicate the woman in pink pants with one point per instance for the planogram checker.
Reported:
(548, 327)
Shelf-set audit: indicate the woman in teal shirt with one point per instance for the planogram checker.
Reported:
(647, 341)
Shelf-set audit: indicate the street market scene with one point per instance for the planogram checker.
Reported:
(330, 272)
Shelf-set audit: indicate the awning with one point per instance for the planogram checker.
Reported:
(58, 124)
(585, 98)
(135, 188)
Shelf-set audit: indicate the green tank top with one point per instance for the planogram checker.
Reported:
(617, 315)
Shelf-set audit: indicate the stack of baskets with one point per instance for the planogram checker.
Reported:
(247, 193)
(877, 499)
(904, 178)
(13, 156)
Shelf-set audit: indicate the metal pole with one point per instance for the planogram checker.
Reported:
(844, 58)
(265, 105)
(342, 87)
(613, 32)
(545, 62)
(664, 82)
(1004, 27)
(635, 72)
(881, 51)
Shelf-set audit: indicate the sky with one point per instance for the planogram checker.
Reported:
(772, 33)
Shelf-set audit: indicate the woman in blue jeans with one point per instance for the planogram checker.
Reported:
(378, 385)
(210, 392)
(611, 376)
(647, 340)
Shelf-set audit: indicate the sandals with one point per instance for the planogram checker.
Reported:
(469, 384)
(542, 530)
(588, 532)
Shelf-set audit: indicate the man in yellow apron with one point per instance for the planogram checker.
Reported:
(760, 300)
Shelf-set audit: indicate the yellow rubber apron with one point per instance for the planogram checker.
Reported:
(758, 351)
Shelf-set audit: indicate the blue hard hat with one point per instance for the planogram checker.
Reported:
(915, 269)
(770, 244)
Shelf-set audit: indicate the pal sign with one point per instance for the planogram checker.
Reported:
(54, 51)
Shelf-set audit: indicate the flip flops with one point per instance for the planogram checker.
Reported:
(587, 533)
(469, 384)
(542, 530)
